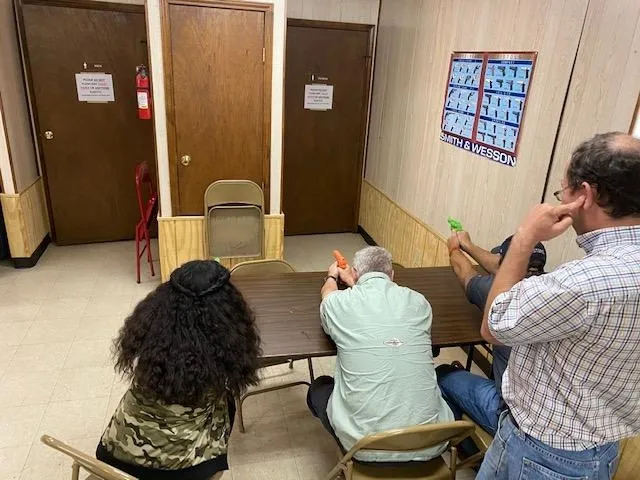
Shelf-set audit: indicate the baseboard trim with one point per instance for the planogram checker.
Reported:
(367, 238)
(28, 262)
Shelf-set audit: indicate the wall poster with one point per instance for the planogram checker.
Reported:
(485, 102)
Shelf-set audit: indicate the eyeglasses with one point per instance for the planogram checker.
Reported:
(558, 193)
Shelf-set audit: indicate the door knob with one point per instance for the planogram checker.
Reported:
(48, 134)
(185, 160)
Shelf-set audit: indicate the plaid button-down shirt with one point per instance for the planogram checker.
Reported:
(573, 380)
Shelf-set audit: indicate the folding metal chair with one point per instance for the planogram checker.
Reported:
(234, 219)
(408, 439)
(148, 209)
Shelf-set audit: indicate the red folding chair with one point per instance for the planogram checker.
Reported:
(147, 211)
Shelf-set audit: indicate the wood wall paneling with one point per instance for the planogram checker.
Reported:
(602, 96)
(26, 219)
(14, 99)
(348, 11)
(410, 241)
(181, 239)
(407, 161)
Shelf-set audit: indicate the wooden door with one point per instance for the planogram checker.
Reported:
(324, 149)
(219, 105)
(89, 156)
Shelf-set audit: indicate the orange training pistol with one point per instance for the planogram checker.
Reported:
(342, 262)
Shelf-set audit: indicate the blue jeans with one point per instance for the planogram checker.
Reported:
(514, 455)
(467, 393)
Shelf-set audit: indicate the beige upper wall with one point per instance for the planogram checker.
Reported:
(602, 96)
(348, 11)
(406, 159)
(14, 102)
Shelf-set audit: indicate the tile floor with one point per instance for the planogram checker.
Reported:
(56, 375)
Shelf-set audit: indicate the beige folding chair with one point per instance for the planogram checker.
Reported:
(98, 470)
(262, 267)
(234, 219)
(407, 440)
(266, 267)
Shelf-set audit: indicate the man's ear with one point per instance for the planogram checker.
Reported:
(392, 274)
(590, 195)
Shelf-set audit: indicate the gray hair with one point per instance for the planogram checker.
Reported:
(373, 259)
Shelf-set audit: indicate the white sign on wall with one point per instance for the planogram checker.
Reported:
(95, 87)
(318, 96)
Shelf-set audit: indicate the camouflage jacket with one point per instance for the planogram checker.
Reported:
(154, 434)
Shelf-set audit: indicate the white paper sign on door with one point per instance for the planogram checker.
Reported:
(95, 87)
(318, 97)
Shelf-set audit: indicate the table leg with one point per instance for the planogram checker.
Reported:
(469, 358)
(310, 369)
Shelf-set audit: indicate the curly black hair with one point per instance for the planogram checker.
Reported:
(191, 336)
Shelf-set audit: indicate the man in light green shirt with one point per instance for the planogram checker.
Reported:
(385, 377)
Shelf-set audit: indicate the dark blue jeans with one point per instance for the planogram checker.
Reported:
(467, 393)
(514, 455)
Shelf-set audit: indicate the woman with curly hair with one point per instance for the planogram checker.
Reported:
(189, 349)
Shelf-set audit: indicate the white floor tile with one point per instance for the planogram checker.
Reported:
(26, 388)
(19, 425)
(99, 327)
(75, 418)
(83, 383)
(108, 305)
(47, 357)
(12, 460)
(51, 331)
(89, 353)
(13, 333)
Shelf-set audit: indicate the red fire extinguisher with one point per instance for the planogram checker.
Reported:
(143, 93)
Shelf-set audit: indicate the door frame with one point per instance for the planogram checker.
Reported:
(28, 78)
(267, 9)
(366, 103)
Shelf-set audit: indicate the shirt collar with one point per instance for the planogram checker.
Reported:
(600, 239)
(370, 275)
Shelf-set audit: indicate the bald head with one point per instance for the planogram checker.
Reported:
(624, 144)
(610, 163)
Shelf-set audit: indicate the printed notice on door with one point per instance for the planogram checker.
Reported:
(95, 87)
(318, 97)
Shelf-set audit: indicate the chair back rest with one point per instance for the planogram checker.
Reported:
(143, 177)
(239, 192)
(416, 438)
(261, 267)
(92, 465)
(629, 463)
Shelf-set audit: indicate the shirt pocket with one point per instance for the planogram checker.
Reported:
(534, 471)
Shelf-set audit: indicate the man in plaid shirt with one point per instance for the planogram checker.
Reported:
(572, 380)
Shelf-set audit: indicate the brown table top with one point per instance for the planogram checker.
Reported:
(287, 310)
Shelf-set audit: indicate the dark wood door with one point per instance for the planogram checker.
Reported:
(218, 59)
(90, 154)
(324, 149)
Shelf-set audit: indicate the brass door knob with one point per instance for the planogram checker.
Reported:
(185, 160)
(48, 134)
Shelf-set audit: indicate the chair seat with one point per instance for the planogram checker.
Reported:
(432, 470)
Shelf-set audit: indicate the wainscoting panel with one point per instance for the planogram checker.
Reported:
(181, 239)
(25, 218)
(411, 242)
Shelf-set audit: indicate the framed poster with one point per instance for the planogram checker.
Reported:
(485, 102)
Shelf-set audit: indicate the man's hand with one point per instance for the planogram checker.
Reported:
(453, 243)
(334, 271)
(346, 275)
(545, 222)
(465, 240)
